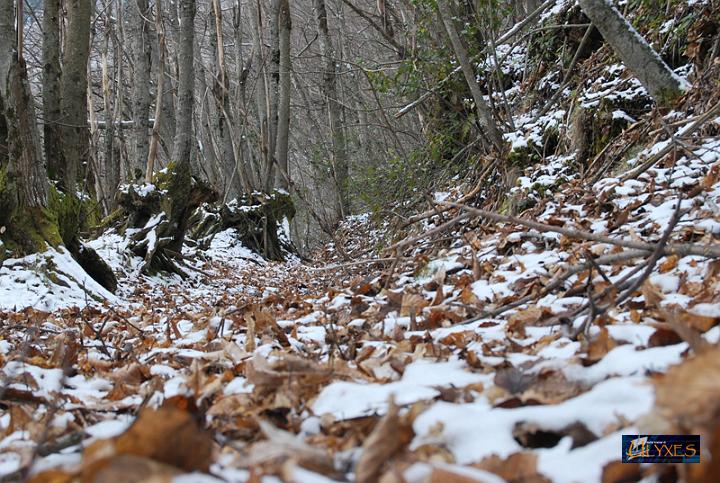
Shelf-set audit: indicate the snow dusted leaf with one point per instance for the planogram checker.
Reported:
(280, 446)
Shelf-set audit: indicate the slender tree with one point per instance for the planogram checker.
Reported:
(283, 129)
(485, 117)
(141, 83)
(182, 150)
(73, 100)
(333, 106)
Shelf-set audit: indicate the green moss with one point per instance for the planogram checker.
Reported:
(27, 230)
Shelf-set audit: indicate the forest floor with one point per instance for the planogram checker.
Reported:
(502, 355)
(479, 348)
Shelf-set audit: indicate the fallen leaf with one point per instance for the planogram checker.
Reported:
(389, 436)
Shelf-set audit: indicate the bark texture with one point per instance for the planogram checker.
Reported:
(52, 141)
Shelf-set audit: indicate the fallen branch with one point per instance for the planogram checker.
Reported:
(679, 249)
(351, 264)
(685, 131)
(567, 272)
(445, 226)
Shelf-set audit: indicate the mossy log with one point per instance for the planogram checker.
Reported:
(256, 218)
(155, 216)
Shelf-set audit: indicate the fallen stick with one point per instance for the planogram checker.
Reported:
(680, 249)
(684, 131)
(445, 226)
(567, 272)
(369, 261)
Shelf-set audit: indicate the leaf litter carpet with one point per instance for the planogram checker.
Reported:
(512, 354)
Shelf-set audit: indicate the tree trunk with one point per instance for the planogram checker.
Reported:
(283, 130)
(232, 186)
(182, 147)
(334, 108)
(141, 83)
(485, 118)
(159, 87)
(51, 89)
(73, 100)
(26, 163)
(181, 183)
(654, 74)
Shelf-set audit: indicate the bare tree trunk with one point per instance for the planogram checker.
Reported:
(228, 165)
(51, 88)
(141, 84)
(7, 33)
(334, 108)
(182, 148)
(73, 100)
(284, 86)
(654, 74)
(181, 183)
(157, 123)
(483, 110)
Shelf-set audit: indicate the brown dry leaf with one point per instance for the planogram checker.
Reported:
(133, 374)
(448, 473)
(703, 323)
(551, 387)
(664, 336)
(686, 326)
(529, 316)
(52, 476)
(619, 472)
(412, 302)
(169, 435)
(600, 345)
(687, 397)
(389, 436)
(128, 468)
(516, 468)
(669, 264)
(651, 294)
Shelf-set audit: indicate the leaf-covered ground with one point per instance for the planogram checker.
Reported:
(486, 362)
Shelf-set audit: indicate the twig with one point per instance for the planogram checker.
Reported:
(445, 226)
(652, 261)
